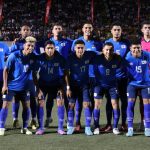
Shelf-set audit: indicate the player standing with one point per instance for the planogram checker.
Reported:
(139, 80)
(16, 76)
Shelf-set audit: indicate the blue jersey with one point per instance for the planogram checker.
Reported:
(121, 47)
(4, 51)
(51, 71)
(139, 69)
(79, 68)
(105, 71)
(63, 46)
(90, 45)
(19, 70)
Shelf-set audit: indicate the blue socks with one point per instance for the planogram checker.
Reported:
(116, 117)
(130, 113)
(40, 115)
(15, 109)
(3, 116)
(147, 115)
(88, 116)
(60, 113)
(70, 117)
(25, 117)
(96, 115)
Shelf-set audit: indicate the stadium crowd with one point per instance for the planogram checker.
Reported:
(105, 12)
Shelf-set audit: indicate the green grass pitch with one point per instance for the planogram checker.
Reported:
(14, 140)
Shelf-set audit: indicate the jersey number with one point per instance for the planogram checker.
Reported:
(138, 69)
(107, 72)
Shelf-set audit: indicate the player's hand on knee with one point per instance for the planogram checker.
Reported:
(40, 94)
(68, 93)
(61, 94)
(4, 90)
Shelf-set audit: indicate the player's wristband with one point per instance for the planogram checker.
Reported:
(68, 87)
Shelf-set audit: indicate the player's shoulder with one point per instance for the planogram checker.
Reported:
(3, 45)
(146, 54)
(125, 41)
(71, 55)
(90, 53)
(13, 55)
(108, 40)
(58, 56)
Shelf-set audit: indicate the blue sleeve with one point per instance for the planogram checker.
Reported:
(10, 61)
(13, 48)
(6, 48)
(72, 47)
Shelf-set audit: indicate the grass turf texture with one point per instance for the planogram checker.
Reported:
(14, 140)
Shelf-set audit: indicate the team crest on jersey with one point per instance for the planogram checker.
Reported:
(63, 44)
(144, 62)
(114, 66)
(123, 46)
(1, 49)
(87, 62)
(56, 64)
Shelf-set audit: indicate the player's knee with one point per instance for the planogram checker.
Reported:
(71, 105)
(60, 102)
(86, 104)
(97, 104)
(6, 104)
(131, 99)
(146, 101)
(115, 104)
(41, 103)
(26, 104)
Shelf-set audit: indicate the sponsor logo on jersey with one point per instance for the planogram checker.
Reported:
(131, 64)
(1, 49)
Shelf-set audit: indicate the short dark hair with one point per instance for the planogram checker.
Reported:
(135, 41)
(117, 23)
(79, 42)
(49, 42)
(87, 22)
(56, 24)
(108, 44)
(144, 22)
